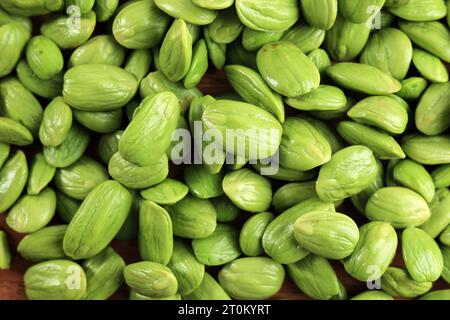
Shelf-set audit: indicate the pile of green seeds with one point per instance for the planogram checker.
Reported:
(336, 104)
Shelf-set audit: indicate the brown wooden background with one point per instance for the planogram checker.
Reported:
(11, 284)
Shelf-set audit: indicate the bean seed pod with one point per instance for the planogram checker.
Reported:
(422, 256)
(55, 280)
(151, 279)
(374, 252)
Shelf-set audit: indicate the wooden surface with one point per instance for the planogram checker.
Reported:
(11, 284)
